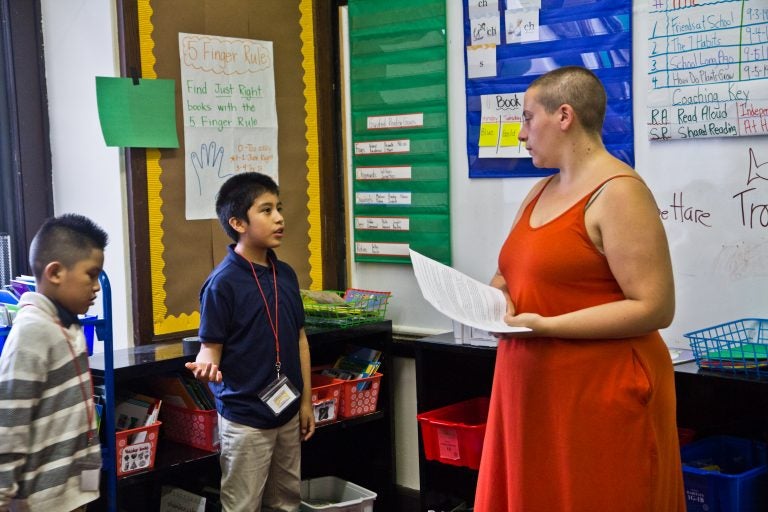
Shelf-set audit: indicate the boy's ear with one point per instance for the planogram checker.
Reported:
(238, 225)
(53, 272)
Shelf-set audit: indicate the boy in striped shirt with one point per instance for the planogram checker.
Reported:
(49, 447)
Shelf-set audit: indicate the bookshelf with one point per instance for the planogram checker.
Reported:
(708, 402)
(335, 449)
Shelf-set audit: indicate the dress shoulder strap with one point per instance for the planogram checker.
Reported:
(601, 186)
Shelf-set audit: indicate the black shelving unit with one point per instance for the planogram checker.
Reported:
(708, 402)
(359, 449)
(446, 373)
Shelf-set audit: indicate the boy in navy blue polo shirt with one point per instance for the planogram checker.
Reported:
(255, 353)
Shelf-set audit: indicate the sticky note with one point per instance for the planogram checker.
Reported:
(489, 135)
(509, 133)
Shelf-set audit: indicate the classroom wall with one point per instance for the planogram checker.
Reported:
(80, 43)
(720, 270)
(719, 273)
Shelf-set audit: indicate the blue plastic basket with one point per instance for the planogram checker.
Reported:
(89, 328)
(3, 335)
(740, 346)
(725, 474)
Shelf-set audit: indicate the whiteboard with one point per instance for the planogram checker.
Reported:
(720, 258)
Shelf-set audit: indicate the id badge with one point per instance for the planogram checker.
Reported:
(90, 472)
(279, 394)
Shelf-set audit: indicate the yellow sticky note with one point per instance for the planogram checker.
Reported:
(509, 133)
(489, 135)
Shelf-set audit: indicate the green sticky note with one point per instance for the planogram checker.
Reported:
(137, 116)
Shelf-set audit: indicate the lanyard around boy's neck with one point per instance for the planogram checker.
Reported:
(274, 324)
(89, 412)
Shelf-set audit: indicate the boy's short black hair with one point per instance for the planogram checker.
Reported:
(237, 195)
(67, 239)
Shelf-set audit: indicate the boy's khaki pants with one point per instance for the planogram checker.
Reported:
(260, 468)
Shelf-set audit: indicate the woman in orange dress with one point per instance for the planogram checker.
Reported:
(582, 414)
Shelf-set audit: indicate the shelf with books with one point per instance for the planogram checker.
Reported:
(329, 452)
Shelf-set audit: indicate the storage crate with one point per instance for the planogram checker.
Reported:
(725, 474)
(358, 306)
(685, 435)
(454, 434)
(139, 455)
(326, 395)
(332, 494)
(194, 427)
(4, 331)
(740, 346)
(89, 330)
(359, 396)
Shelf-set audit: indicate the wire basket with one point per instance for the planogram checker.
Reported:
(740, 346)
(355, 307)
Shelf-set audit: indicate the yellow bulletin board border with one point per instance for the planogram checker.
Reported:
(167, 324)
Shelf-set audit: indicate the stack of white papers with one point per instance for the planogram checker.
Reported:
(460, 297)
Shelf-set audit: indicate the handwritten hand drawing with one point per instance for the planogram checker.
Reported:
(209, 159)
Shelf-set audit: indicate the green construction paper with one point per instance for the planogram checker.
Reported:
(748, 352)
(137, 116)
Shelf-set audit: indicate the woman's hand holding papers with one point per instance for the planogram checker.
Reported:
(530, 320)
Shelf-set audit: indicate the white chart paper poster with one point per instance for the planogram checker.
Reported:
(707, 69)
(500, 124)
(230, 114)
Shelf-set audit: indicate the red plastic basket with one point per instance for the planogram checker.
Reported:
(326, 394)
(194, 427)
(359, 396)
(137, 456)
(454, 434)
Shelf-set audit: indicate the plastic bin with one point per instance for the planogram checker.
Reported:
(725, 474)
(685, 435)
(3, 335)
(740, 346)
(359, 396)
(89, 330)
(357, 307)
(137, 456)
(326, 395)
(194, 427)
(454, 434)
(333, 494)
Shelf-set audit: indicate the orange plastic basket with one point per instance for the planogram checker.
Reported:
(137, 456)
(326, 394)
(359, 396)
(454, 434)
(194, 427)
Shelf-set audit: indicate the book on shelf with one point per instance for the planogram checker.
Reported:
(185, 392)
(357, 363)
(135, 410)
(151, 419)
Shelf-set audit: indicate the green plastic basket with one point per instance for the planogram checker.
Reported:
(358, 307)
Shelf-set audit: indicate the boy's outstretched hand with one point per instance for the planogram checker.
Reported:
(205, 372)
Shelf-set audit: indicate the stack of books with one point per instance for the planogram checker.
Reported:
(357, 363)
(135, 410)
(183, 391)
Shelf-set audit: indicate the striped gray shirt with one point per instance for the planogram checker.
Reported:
(44, 422)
